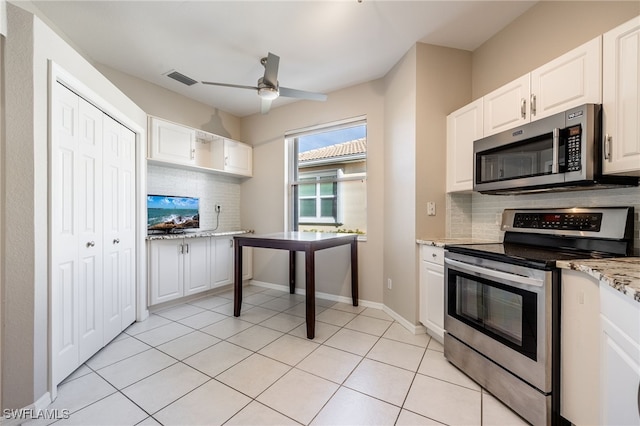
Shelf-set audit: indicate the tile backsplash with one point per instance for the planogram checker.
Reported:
(211, 188)
(478, 216)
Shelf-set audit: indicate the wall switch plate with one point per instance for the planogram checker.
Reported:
(389, 283)
(431, 208)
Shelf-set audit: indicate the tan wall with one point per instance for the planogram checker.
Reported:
(163, 103)
(263, 196)
(28, 48)
(541, 34)
(400, 187)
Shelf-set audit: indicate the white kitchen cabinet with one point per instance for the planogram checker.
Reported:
(432, 290)
(181, 146)
(621, 99)
(196, 257)
(580, 348)
(171, 142)
(178, 267)
(570, 80)
(166, 270)
(222, 261)
(620, 353)
(463, 127)
(238, 158)
(92, 285)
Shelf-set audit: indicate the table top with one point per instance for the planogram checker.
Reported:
(298, 236)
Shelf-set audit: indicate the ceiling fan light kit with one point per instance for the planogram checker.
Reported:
(268, 89)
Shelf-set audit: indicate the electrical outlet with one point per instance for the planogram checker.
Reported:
(389, 283)
(431, 208)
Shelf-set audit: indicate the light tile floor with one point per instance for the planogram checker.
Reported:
(196, 364)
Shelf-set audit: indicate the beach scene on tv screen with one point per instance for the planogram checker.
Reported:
(168, 213)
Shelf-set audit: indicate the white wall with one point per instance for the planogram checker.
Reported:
(29, 46)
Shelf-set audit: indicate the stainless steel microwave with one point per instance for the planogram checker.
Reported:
(559, 152)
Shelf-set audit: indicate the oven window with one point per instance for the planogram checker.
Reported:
(505, 313)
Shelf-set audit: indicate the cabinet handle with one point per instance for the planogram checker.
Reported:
(523, 108)
(193, 153)
(116, 241)
(91, 244)
(607, 147)
(226, 161)
(187, 246)
(231, 243)
(434, 255)
(533, 105)
(181, 248)
(639, 399)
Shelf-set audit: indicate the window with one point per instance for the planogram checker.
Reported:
(327, 186)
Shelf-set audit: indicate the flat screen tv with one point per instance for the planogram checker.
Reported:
(169, 213)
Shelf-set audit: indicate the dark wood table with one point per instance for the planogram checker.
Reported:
(309, 243)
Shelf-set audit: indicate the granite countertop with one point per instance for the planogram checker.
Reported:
(441, 242)
(621, 273)
(197, 234)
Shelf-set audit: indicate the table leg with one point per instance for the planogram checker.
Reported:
(310, 275)
(237, 280)
(292, 271)
(354, 271)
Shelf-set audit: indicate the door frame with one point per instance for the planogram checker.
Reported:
(57, 74)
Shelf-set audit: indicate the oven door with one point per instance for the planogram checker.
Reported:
(502, 311)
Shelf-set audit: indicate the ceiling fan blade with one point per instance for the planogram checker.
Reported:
(271, 70)
(265, 106)
(301, 94)
(237, 86)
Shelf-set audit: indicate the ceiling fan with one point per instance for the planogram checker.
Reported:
(268, 88)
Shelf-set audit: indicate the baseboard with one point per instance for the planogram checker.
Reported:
(37, 410)
(412, 328)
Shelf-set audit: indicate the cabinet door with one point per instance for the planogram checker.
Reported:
(197, 274)
(580, 346)
(621, 99)
(221, 261)
(171, 142)
(166, 270)
(507, 106)
(463, 127)
(238, 158)
(119, 228)
(620, 363)
(570, 80)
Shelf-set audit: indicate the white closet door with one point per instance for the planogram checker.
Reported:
(119, 220)
(64, 232)
(90, 243)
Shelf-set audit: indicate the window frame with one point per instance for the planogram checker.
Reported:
(295, 177)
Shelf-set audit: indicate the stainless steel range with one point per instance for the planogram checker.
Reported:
(502, 301)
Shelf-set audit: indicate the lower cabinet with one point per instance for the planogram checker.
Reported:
(620, 363)
(186, 266)
(432, 290)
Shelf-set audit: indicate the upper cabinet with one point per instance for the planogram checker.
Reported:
(171, 142)
(463, 127)
(621, 99)
(178, 145)
(572, 79)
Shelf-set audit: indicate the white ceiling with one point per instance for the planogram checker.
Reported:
(323, 45)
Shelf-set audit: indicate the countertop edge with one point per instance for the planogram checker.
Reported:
(200, 234)
(618, 273)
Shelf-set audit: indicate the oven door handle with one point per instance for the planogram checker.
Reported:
(492, 273)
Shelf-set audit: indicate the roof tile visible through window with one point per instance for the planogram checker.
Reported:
(357, 146)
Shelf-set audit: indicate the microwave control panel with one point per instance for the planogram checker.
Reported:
(574, 151)
(560, 221)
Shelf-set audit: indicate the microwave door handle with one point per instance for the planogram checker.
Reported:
(492, 273)
(555, 167)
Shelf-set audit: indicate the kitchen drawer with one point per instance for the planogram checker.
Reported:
(433, 254)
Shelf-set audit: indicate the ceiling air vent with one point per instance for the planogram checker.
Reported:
(181, 78)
